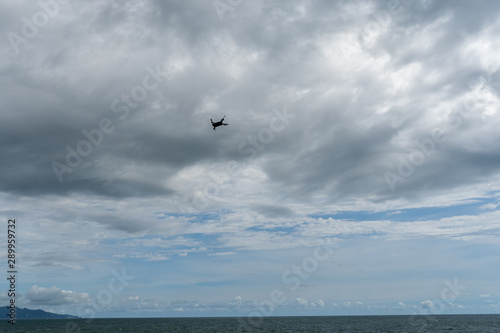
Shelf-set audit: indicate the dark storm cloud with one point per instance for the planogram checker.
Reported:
(337, 145)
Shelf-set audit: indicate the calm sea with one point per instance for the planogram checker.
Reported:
(386, 324)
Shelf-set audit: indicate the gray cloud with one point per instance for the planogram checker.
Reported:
(356, 117)
(273, 211)
(339, 146)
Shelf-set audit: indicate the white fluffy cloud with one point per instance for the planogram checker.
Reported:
(54, 296)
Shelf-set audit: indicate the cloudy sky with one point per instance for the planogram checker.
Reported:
(359, 172)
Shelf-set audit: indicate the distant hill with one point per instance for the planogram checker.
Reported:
(38, 314)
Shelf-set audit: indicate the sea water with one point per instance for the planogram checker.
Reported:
(348, 324)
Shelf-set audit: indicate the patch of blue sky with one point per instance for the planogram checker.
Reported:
(477, 251)
(352, 215)
(436, 213)
(354, 236)
(287, 230)
(114, 241)
(194, 217)
(199, 238)
(127, 240)
(158, 245)
(221, 283)
(208, 240)
(474, 206)
(162, 215)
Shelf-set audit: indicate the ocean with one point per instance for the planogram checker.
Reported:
(348, 324)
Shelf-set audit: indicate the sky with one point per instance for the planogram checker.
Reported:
(359, 173)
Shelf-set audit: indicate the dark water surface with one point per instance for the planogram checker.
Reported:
(385, 324)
